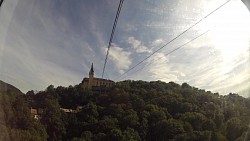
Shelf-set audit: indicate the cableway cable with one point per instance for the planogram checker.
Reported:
(1, 2)
(112, 34)
(172, 51)
(173, 39)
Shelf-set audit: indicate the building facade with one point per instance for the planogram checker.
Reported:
(95, 82)
(36, 113)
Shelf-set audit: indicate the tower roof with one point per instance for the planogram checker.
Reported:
(92, 69)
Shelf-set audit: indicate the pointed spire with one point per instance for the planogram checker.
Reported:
(91, 70)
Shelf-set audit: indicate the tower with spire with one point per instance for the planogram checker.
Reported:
(91, 72)
(93, 82)
(91, 76)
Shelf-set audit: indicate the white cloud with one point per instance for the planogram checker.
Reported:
(161, 69)
(120, 58)
(157, 42)
(138, 45)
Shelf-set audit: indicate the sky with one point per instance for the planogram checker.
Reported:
(48, 42)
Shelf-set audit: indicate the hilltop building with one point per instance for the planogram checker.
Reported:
(93, 82)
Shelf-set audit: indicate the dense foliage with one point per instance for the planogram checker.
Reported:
(16, 122)
(129, 111)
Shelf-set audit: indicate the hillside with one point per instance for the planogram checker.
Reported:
(5, 87)
(16, 122)
(130, 110)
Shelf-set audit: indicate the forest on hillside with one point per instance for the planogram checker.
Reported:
(129, 111)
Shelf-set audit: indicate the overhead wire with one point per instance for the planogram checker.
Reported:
(172, 51)
(173, 39)
(1, 2)
(112, 34)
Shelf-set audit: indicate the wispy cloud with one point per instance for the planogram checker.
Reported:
(41, 49)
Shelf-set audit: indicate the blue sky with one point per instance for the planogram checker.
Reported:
(54, 42)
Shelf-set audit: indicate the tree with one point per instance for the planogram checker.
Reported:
(209, 125)
(115, 135)
(130, 135)
(194, 118)
(89, 113)
(130, 119)
(87, 135)
(22, 113)
(107, 124)
(52, 119)
(165, 130)
(234, 128)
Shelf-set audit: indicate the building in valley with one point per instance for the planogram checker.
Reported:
(36, 113)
